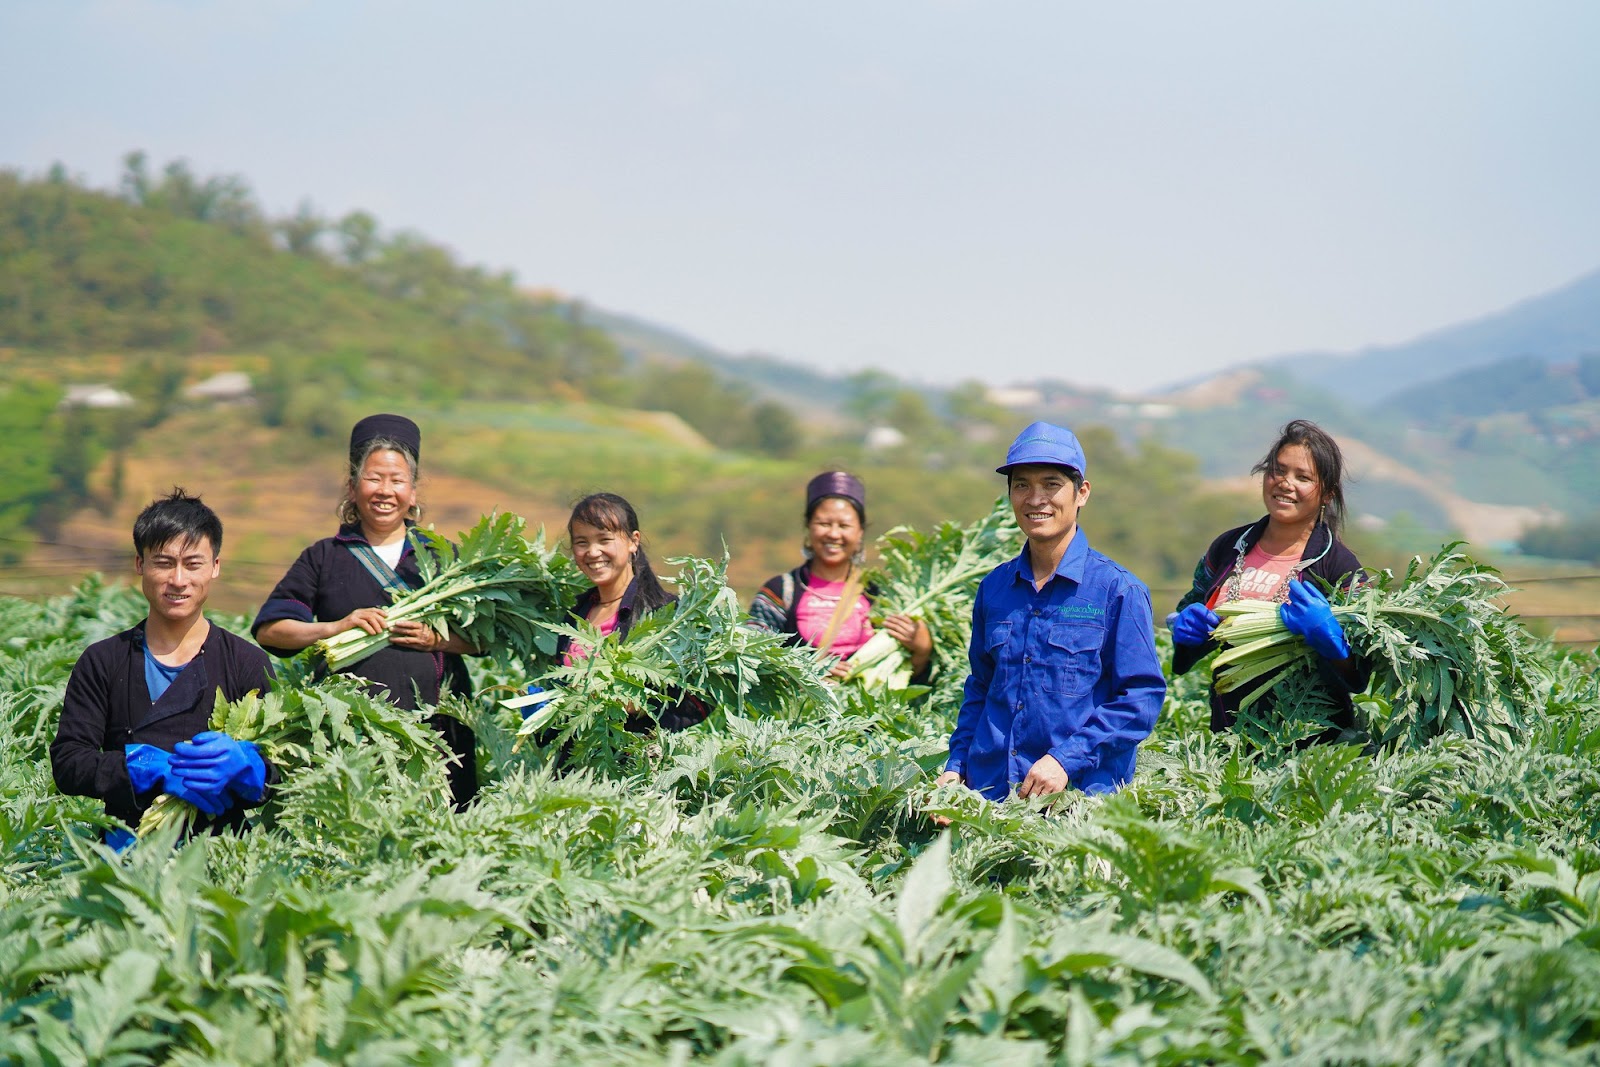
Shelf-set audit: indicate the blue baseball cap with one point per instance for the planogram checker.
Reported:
(1048, 444)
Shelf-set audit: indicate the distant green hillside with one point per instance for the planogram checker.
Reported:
(1559, 327)
(770, 378)
(174, 277)
(1526, 384)
(184, 266)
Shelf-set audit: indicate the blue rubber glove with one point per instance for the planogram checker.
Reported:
(147, 766)
(119, 840)
(528, 712)
(1309, 614)
(1193, 625)
(212, 804)
(215, 763)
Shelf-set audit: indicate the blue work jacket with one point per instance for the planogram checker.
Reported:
(1069, 670)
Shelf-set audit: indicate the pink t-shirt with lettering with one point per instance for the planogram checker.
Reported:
(815, 608)
(1261, 575)
(575, 651)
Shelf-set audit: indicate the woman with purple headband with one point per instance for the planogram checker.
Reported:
(824, 602)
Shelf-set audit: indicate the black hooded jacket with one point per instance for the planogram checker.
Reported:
(1325, 557)
(107, 706)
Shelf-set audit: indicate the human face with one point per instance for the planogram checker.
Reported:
(604, 556)
(834, 533)
(176, 578)
(1291, 489)
(385, 493)
(1044, 501)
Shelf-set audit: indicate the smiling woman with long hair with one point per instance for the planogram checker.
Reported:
(609, 549)
(1302, 488)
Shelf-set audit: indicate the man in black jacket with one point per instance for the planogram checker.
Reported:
(137, 707)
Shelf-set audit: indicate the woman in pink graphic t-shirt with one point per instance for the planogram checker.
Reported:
(1288, 556)
(822, 602)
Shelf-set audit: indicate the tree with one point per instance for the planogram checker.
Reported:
(302, 230)
(871, 394)
(358, 237)
(26, 408)
(775, 429)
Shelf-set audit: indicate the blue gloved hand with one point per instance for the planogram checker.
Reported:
(1193, 625)
(147, 766)
(528, 710)
(118, 840)
(1309, 614)
(214, 763)
(211, 803)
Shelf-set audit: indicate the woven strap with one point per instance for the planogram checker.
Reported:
(387, 578)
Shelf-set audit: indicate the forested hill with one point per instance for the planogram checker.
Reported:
(187, 266)
(156, 290)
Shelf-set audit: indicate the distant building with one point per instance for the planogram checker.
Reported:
(99, 395)
(880, 438)
(230, 386)
(1015, 397)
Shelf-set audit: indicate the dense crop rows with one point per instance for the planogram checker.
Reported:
(772, 891)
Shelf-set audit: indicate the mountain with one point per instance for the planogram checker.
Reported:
(768, 377)
(1558, 327)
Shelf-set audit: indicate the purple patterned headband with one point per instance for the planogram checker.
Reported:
(836, 483)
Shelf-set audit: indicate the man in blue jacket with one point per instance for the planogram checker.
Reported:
(1064, 680)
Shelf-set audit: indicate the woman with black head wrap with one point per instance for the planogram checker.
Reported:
(344, 582)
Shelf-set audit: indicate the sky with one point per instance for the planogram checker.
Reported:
(1126, 195)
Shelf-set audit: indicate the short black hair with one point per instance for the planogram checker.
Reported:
(176, 516)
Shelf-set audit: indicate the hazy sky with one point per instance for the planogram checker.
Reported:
(1124, 194)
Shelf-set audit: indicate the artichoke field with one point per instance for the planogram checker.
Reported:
(769, 887)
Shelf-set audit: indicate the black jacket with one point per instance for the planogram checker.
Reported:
(327, 583)
(681, 715)
(107, 706)
(1325, 557)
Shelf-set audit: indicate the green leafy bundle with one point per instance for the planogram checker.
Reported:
(1445, 656)
(297, 728)
(933, 577)
(495, 589)
(697, 647)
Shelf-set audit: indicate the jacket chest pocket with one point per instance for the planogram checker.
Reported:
(995, 639)
(1072, 658)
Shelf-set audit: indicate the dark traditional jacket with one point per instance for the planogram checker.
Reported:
(1325, 557)
(107, 706)
(327, 583)
(680, 716)
(777, 605)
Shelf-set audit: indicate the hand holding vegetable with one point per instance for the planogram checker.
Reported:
(147, 766)
(212, 804)
(945, 778)
(367, 620)
(214, 763)
(914, 636)
(416, 635)
(1309, 614)
(1193, 625)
